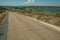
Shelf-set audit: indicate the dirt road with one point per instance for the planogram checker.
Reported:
(22, 28)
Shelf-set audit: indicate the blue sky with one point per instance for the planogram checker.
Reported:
(30, 2)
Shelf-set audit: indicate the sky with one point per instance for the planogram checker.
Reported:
(29, 2)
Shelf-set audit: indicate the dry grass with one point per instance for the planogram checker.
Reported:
(46, 18)
(1, 21)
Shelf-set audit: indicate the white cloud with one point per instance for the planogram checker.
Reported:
(29, 2)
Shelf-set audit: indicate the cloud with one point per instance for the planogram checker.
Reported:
(29, 2)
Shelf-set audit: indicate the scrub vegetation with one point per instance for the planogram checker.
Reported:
(2, 16)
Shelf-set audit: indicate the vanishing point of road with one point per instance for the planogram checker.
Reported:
(22, 28)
